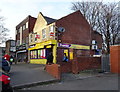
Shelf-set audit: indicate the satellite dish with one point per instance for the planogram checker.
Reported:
(61, 29)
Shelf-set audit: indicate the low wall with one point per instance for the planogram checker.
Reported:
(54, 70)
(88, 63)
(66, 67)
(84, 63)
(75, 66)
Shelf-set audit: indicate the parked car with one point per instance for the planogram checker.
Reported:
(5, 80)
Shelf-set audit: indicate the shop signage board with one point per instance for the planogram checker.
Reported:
(64, 45)
(74, 46)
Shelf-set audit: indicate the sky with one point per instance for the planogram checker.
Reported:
(14, 11)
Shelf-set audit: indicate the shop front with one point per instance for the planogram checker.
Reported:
(40, 51)
(71, 50)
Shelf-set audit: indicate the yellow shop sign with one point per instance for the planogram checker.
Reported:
(79, 46)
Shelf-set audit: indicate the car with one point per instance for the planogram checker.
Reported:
(5, 81)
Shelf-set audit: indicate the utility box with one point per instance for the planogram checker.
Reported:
(115, 59)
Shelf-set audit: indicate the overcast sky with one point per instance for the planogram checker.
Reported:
(14, 11)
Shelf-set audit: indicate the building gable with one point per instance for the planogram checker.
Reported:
(77, 29)
(40, 23)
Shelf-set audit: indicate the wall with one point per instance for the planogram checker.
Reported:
(54, 70)
(65, 67)
(115, 59)
(41, 24)
(75, 66)
(25, 33)
(77, 29)
(88, 63)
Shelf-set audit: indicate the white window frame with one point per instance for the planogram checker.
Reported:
(51, 29)
(26, 24)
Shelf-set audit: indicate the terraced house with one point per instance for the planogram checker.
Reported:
(22, 37)
(69, 34)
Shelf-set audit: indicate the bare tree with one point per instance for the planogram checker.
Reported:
(103, 18)
(3, 31)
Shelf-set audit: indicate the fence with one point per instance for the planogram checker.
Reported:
(105, 63)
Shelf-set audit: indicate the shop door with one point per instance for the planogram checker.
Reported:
(48, 50)
(60, 54)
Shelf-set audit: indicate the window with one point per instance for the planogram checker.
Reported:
(18, 42)
(26, 39)
(18, 30)
(41, 53)
(12, 43)
(30, 38)
(26, 24)
(33, 54)
(43, 34)
(51, 29)
(23, 28)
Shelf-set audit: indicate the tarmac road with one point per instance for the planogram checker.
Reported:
(104, 82)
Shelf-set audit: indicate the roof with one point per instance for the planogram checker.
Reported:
(49, 20)
(24, 21)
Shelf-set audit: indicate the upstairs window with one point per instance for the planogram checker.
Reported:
(26, 24)
(18, 30)
(43, 34)
(51, 29)
(24, 27)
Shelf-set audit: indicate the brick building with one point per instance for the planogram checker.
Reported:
(68, 34)
(22, 32)
(10, 47)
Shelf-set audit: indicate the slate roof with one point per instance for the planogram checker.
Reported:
(49, 20)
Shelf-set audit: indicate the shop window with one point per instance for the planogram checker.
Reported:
(38, 54)
(33, 54)
(41, 53)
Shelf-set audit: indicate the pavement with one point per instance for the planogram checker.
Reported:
(105, 83)
(26, 75)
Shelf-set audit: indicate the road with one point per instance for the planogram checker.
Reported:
(104, 82)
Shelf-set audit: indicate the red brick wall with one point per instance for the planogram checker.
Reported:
(54, 70)
(88, 63)
(77, 29)
(75, 66)
(65, 67)
(115, 59)
(31, 21)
